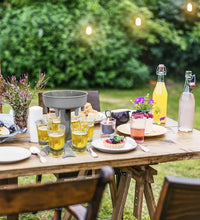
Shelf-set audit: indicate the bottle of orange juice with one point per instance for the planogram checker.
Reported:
(160, 97)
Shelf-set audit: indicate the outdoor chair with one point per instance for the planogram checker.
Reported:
(16, 199)
(179, 199)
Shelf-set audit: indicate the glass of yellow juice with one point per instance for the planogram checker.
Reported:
(75, 120)
(57, 141)
(79, 136)
(89, 123)
(43, 138)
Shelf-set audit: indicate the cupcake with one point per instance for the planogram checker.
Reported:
(114, 142)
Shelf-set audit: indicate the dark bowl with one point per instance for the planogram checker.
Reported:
(121, 115)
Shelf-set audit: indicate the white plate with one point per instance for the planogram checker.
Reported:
(156, 130)
(98, 144)
(99, 117)
(12, 154)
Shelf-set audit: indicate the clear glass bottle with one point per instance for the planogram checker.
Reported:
(187, 104)
(160, 97)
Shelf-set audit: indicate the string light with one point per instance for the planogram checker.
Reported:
(88, 30)
(138, 21)
(189, 7)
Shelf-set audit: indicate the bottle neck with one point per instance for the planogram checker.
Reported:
(187, 87)
(160, 78)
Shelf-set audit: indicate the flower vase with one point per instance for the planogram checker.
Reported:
(21, 119)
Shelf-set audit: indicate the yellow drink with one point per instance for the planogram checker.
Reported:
(90, 132)
(56, 140)
(87, 123)
(79, 139)
(55, 123)
(75, 123)
(160, 100)
(42, 132)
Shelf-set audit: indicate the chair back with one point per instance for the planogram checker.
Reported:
(43, 196)
(179, 199)
(93, 99)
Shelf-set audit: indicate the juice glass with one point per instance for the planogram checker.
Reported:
(57, 141)
(79, 136)
(138, 127)
(43, 138)
(75, 120)
(89, 123)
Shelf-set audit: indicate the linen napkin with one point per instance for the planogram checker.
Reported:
(35, 113)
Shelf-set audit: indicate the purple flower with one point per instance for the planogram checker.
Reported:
(151, 101)
(137, 100)
(162, 118)
(13, 78)
(142, 100)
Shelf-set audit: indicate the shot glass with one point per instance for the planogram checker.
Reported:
(88, 122)
(75, 120)
(57, 141)
(108, 126)
(79, 136)
(53, 122)
(43, 138)
(137, 127)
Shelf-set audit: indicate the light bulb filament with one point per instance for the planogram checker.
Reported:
(189, 7)
(88, 30)
(138, 21)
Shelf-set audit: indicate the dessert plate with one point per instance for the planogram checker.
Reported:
(12, 154)
(98, 144)
(156, 130)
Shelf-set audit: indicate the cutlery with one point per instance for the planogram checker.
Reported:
(93, 154)
(145, 149)
(35, 150)
(132, 141)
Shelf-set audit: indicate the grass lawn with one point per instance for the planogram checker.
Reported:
(113, 99)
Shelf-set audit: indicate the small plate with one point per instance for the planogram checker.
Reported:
(98, 144)
(156, 131)
(98, 117)
(12, 154)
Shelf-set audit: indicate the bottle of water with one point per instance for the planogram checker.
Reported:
(187, 104)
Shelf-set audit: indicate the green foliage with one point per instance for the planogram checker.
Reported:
(49, 36)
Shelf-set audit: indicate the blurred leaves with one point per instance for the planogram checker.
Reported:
(49, 36)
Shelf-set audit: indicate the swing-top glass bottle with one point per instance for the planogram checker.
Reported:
(160, 96)
(187, 104)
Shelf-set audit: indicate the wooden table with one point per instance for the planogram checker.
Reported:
(171, 146)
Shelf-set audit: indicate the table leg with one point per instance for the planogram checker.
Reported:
(138, 200)
(121, 195)
(144, 177)
(148, 192)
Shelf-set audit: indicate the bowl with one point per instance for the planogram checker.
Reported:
(8, 120)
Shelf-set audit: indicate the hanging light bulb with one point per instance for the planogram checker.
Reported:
(189, 7)
(88, 30)
(138, 21)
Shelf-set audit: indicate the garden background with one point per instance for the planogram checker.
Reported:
(49, 36)
(118, 59)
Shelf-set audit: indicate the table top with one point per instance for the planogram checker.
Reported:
(171, 146)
